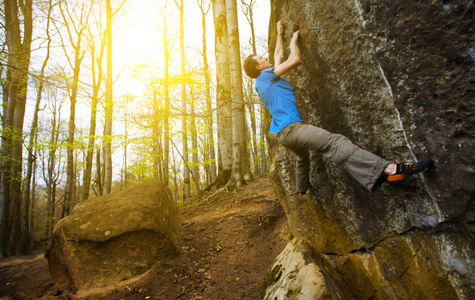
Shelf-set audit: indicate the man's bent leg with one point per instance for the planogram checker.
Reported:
(364, 166)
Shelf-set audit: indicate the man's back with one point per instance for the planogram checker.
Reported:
(279, 98)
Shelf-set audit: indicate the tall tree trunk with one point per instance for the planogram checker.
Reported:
(7, 118)
(186, 173)
(166, 125)
(166, 40)
(223, 92)
(240, 161)
(75, 34)
(109, 108)
(156, 137)
(247, 9)
(33, 206)
(103, 166)
(90, 150)
(126, 142)
(211, 164)
(175, 179)
(99, 172)
(70, 178)
(252, 116)
(53, 210)
(51, 178)
(17, 81)
(160, 148)
(96, 84)
(194, 145)
(25, 241)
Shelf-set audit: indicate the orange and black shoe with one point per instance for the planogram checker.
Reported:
(404, 170)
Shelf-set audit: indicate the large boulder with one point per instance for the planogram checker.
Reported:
(398, 79)
(115, 237)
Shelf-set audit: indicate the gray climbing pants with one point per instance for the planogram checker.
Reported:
(364, 166)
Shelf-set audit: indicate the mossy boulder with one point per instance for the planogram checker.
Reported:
(115, 237)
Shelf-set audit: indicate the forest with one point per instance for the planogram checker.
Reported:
(101, 95)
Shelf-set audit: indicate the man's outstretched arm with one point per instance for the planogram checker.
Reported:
(279, 45)
(293, 60)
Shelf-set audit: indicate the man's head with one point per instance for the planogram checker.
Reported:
(253, 65)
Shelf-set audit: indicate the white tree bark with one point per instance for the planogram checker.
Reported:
(240, 162)
(223, 89)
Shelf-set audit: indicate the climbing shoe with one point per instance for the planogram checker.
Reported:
(404, 170)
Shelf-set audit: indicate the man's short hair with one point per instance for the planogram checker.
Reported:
(250, 65)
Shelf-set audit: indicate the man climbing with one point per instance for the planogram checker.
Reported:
(279, 98)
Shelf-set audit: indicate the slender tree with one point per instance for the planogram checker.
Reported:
(75, 19)
(109, 105)
(99, 173)
(126, 141)
(194, 141)
(211, 156)
(96, 85)
(51, 162)
(18, 34)
(186, 173)
(166, 31)
(223, 92)
(156, 134)
(248, 11)
(248, 96)
(33, 206)
(260, 161)
(25, 242)
(125, 106)
(240, 160)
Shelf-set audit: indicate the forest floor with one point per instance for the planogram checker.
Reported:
(228, 242)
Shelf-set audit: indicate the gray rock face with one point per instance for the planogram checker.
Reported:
(398, 79)
(115, 237)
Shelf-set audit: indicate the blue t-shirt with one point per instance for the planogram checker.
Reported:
(279, 98)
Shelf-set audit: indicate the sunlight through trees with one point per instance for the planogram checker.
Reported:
(101, 95)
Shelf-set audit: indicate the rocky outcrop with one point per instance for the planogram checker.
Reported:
(115, 237)
(398, 79)
(295, 274)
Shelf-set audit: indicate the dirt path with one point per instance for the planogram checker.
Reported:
(228, 240)
(25, 277)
